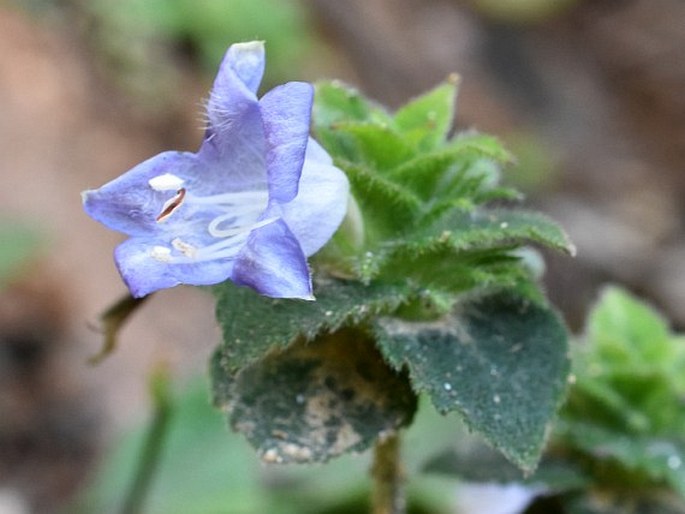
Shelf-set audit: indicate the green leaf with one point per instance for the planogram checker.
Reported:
(253, 325)
(628, 332)
(317, 400)
(335, 102)
(465, 249)
(375, 144)
(425, 121)
(489, 229)
(439, 172)
(661, 459)
(499, 361)
(482, 145)
(388, 208)
(625, 408)
(629, 374)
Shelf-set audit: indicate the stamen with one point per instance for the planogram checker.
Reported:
(171, 205)
(166, 182)
(185, 248)
(161, 253)
(234, 231)
(237, 198)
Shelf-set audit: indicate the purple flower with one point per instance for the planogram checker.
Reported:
(257, 198)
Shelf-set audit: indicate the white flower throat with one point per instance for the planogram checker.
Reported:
(231, 228)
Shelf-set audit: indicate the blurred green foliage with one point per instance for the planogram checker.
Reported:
(521, 11)
(626, 412)
(208, 27)
(17, 244)
(140, 46)
(203, 470)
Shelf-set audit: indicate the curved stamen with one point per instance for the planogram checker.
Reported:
(234, 231)
(241, 210)
(238, 198)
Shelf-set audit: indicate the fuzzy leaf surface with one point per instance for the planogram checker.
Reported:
(425, 121)
(316, 400)
(253, 325)
(500, 361)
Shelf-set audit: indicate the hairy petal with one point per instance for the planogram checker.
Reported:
(143, 274)
(320, 206)
(286, 113)
(129, 204)
(273, 264)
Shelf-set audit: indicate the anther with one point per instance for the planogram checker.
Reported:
(171, 205)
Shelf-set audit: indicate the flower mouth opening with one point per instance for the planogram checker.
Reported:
(229, 230)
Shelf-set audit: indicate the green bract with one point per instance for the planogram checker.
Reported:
(424, 289)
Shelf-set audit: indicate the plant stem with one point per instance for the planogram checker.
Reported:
(388, 477)
(153, 444)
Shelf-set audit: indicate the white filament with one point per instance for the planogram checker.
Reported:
(231, 228)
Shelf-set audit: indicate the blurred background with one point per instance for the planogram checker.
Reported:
(589, 94)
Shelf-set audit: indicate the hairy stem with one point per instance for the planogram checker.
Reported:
(152, 445)
(388, 477)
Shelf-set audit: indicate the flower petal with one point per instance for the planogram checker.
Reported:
(247, 61)
(234, 144)
(129, 204)
(272, 263)
(321, 203)
(286, 113)
(144, 274)
(235, 86)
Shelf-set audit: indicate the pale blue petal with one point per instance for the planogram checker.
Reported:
(321, 203)
(129, 204)
(234, 147)
(234, 91)
(247, 61)
(272, 263)
(144, 274)
(286, 112)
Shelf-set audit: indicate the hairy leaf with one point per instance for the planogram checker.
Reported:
(337, 102)
(425, 121)
(253, 325)
(316, 400)
(500, 362)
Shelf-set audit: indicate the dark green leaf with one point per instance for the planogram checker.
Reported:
(317, 400)
(253, 325)
(500, 362)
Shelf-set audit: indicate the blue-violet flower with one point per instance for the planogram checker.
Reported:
(251, 205)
